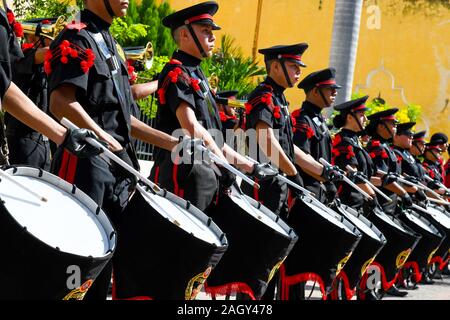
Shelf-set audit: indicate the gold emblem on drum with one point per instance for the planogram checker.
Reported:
(366, 265)
(79, 293)
(432, 254)
(402, 257)
(342, 263)
(195, 284)
(275, 269)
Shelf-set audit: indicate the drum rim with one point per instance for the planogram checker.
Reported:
(336, 216)
(186, 205)
(290, 232)
(80, 196)
(440, 213)
(349, 210)
(426, 222)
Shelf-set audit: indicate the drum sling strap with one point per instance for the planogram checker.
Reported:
(114, 67)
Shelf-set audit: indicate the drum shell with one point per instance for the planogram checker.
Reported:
(399, 238)
(254, 248)
(155, 258)
(33, 269)
(323, 244)
(367, 249)
(430, 240)
(444, 248)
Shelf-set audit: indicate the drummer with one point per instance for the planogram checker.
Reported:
(311, 132)
(382, 129)
(441, 140)
(26, 146)
(89, 85)
(14, 101)
(402, 143)
(432, 164)
(187, 106)
(227, 114)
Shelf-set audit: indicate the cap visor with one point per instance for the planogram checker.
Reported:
(209, 23)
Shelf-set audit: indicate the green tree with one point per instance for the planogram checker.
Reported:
(28, 9)
(234, 70)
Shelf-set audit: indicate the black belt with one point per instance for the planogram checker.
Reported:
(33, 135)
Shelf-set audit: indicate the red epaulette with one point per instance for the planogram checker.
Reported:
(173, 76)
(27, 46)
(343, 150)
(224, 117)
(265, 98)
(15, 25)
(336, 140)
(132, 76)
(304, 127)
(379, 153)
(66, 51)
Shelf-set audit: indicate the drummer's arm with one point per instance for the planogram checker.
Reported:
(143, 90)
(308, 164)
(22, 108)
(237, 159)
(272, 148)
(367, 188)
(396, 188)
(144, 132)
(194, 129)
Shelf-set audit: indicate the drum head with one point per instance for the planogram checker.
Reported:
(241, 200)
(67, 220)
(439, 216)
(180, 215)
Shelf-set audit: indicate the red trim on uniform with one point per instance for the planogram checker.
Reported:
(64, 162)
(388, 118)
(255, 191)
(229, 288)
(200, 17)
(326, 82)
(72, 168)
(288, 281)
(359, 107)
(175, 176)
(181, 195)
(156, 174)
(291, 56)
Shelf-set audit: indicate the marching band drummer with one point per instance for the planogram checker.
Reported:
(311, 132)
(89, 85)
(186, 103)
(27, 146)
(14, 101)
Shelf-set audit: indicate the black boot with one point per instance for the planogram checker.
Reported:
(393, 291)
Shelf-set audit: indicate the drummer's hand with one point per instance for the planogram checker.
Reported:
(227, 178)
(420, 195)
(113, 144)
(357, 177)
(119, 171)
(75, 142)
(370, 204)
(388, 179)
(263, 171)
(331, 191)
(297, 180)
(407, 201)
(332, 173)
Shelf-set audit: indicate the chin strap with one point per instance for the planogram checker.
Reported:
(323, 98)
(388, 130)
(109, 8)
(286, 75)
(357, 121)
(197, 43)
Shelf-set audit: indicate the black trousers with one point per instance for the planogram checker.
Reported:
(107, 186)
(29, 149)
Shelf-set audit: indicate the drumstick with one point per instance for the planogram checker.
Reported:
(93, 142)
(348, 181)
(348, 167)
(226, 165)
(415, 206)
(428, 178)
(11, 178)
(286, 180)
(424, 187)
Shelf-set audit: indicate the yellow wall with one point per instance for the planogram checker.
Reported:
(407, 59)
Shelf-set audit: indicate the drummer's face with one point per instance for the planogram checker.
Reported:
(404, 140)
(362, 118)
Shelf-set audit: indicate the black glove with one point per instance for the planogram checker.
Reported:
(227, 178)
(263, 171)
(330, 191)
(357, 177)
(121, 172)
(407, 201)
(332, 173)
(412, 179)
(434, 185)
(388, 179)
(297, 180)
(420, 195)
(75, 143)
(370, 205)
